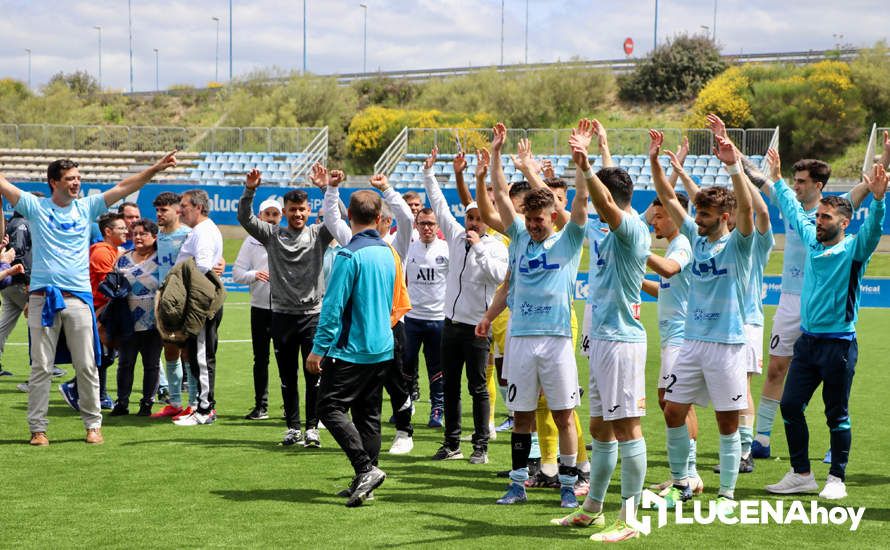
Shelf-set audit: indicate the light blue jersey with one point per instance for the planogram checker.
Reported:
(763, 244)
(168, 248)
(829, 304)
(673, 293)
(795, 254)
(60, 240)
(720, 272)
(617, 266)
(544, 280)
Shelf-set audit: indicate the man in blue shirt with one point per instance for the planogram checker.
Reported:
(61, 298)
(713, 361)
(826, 352)
(353, 344)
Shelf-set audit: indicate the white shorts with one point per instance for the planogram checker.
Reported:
(585, 330)
(542, 363)
(754, 334)
(710, 372)
(786, 326)
(617, 379)
(669, 354)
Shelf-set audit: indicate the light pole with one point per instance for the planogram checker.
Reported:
(99, 28)
(655, 28)
(157, 72)
(130, 16)
(364, 8)
(526, 32)
(714, 26)
(29, 67)
(502, 32)
(304, 37)
(230, 40)
(216, 58)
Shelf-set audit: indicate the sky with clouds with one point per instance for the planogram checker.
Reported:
(401, 34)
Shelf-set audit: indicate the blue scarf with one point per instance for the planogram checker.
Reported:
(54, 303)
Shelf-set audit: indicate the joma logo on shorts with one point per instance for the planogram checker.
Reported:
(701, 315)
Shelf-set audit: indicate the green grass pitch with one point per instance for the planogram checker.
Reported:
(153, 484)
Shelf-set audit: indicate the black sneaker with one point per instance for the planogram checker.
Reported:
(364, 484)
(479, 456)
(746, 465)
(447, 453)
(257, 413)
(164, 396)
(144, 409)
(119, 409)
(347, 492)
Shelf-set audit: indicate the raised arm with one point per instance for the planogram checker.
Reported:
(689, 184)
(257, 228)
(663, 189)
(603, 141)
(665, 267)
(135, 183)
(744, 218)
(602, 199)
(499, 182)
(401, 211)
(680, 158)
(579, 203)
(650, 287)
(330, 206)
(9, 191)
(885, 153)
(463, 190)
(486, 207)
(449, 225)
(870, 233)
(525, 162)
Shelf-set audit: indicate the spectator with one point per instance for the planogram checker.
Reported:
(252, 268)
(140, 267)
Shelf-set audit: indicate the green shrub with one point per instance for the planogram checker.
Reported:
(675, 71)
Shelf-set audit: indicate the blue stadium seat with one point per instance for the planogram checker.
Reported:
(698, 171)
(634, 170)
(712, 170)
(701, 161)
(195, 175)
(638, 161)
(707, 180)
(214, 166)
(563, 161)
(721, 179)
(268, 158)
(714, 161)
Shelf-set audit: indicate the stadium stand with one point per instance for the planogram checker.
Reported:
(209, 167)
(403, 160)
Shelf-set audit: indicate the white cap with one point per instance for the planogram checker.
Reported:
(471, 206)
(270, 203)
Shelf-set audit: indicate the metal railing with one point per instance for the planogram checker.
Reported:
(315, 151)
(548, 141)
(393, 154)
(156, 138)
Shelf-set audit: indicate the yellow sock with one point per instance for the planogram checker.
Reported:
(548, 435)
(492, 386)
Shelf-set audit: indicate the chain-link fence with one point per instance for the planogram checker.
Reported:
(154, 138)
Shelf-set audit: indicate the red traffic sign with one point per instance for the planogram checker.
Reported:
(629, 46)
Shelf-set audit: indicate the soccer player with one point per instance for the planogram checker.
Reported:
(540, 349)
(353, 344)
(761, 248)
(296, 256)
(617, 342)
(826, 352)
(713, 361)
(476, 266)
(672, 292)
(60, 285)
(205, 245)
(252, 268)
(171, 234)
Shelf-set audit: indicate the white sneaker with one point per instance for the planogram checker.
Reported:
(196, 419)
(834, 488)
(794, 483)
(402, 444)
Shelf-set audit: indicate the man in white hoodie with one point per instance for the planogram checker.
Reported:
(252, 268)
(476, 266)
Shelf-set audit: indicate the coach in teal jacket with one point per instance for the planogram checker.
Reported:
(353, 345)
(826, 352)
